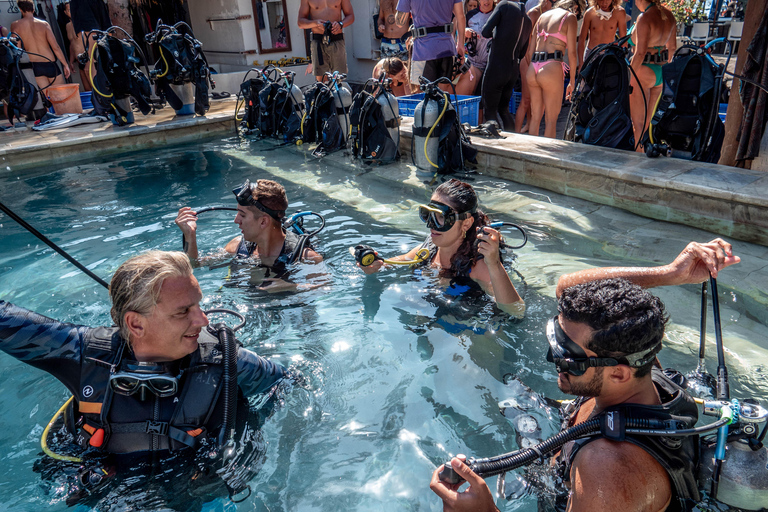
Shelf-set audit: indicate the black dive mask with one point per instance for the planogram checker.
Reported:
(439, 216)
(569, 357)
(137, 377)
(245, 197)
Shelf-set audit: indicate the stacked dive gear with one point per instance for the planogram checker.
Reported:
(330, 114)
(181, 62)
(17, 80)
(599, 113)
(375, 118)
(114, 72)
(439, 143)
(685, 122)
(732, 461)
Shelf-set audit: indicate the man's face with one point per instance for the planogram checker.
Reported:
(591, 383)
(604, 5)
(173, 326)
(247, 219)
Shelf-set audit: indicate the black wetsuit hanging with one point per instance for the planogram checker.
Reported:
(677, 455)
(510, 29)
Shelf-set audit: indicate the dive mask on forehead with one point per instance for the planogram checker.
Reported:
(569, 357)
(439, 216)
(246, 196)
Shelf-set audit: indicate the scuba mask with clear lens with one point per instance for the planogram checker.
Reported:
(439, 216)
(137, 377)
(245, 197)
(569, 357)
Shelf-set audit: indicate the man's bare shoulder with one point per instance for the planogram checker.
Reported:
(608, 475)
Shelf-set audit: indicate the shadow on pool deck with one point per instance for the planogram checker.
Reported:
(726, 200)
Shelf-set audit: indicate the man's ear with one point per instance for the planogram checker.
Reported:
(620, 374)
(136, 324)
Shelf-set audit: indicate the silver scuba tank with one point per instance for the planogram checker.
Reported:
(390, 109)
(297, 97)
(342, 100)
(424, 117)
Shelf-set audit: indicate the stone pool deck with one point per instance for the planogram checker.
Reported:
(725, 200)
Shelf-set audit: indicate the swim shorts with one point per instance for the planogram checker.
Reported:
(393, 48)
(46, 69)
(328, 57)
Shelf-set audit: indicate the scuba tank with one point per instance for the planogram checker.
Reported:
(342, 100)
(439, 143)
(292, 109)
(424, 118)
(390, 109)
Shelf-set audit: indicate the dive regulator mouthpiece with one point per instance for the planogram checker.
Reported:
(364, 254)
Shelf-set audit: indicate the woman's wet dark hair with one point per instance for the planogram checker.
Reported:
(462, 197)
(392, 65)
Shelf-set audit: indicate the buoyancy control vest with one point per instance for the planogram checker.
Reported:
(288, 108)
(14, 86)
(114, 423)
(319, 106)
(439, 143)
(677, 455)
(181, 61)
(375, 117)
(117, 77)
(290, 253)
(686, 119)
(249, 95)
(599, 113)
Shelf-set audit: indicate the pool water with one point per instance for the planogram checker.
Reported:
(399, 376)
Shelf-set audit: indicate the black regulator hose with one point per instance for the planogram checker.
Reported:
(228, 343)
(507, 462)
(203, 210)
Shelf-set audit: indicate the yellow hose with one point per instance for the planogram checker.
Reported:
(44, 437)
(650, 125)
(421, 256)
(90, 72)
(239, 104)
(162, 56)
(437, 121)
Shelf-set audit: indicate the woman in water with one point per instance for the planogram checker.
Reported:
(463, 247)
(554, 33)
(524, 108)
(477, 48)
(654, 41)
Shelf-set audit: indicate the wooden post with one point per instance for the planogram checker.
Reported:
(752, 17)
(118, 13)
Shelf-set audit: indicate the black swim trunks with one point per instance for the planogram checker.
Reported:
(46, 69)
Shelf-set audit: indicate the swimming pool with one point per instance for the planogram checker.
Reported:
(398, 378)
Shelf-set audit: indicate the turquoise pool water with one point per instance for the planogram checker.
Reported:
(398, 377)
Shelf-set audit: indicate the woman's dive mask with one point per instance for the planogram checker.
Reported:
(439, 216)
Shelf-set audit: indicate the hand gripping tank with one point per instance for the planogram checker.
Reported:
(424, 117)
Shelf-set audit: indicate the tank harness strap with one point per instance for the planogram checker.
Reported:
(418, 32)
(160, 428)
(392, 123)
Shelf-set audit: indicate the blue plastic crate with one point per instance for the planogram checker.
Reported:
(514, 102)
(85, 99)
(467, 106)
(721, 111)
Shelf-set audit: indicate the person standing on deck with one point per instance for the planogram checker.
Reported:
(76, 48)
(433, 33)
(601, 22)
(88, 15)
(41, 46)
(327, 19)
(394, 35)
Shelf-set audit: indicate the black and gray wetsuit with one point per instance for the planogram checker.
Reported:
(510, 29)
(677, 455)
(288, 254)
(81, 358)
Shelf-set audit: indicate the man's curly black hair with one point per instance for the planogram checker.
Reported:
(625, 317)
